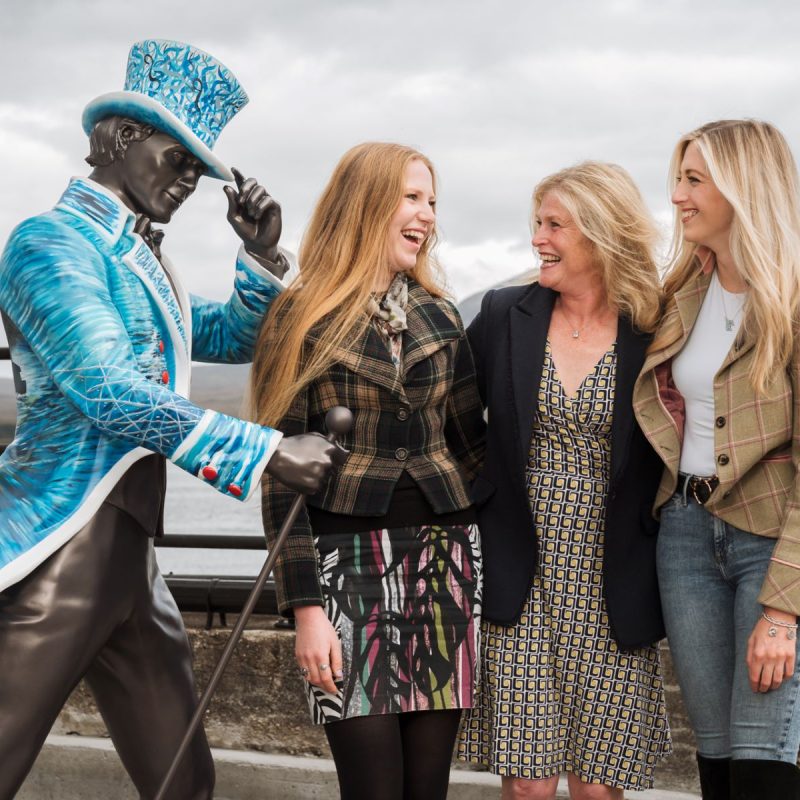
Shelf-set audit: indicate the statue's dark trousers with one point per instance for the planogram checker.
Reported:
(98, 608)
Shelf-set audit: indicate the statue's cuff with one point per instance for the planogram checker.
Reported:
(227, 453)
(285, 262)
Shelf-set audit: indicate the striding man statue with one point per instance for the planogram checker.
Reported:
(102, 334)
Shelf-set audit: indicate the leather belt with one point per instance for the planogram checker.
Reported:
(697, 487)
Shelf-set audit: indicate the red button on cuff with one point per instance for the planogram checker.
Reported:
(165, 377)
(235, 490)
(161, 346)
(210, 473)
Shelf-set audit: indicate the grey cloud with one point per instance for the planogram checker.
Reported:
(498, 98)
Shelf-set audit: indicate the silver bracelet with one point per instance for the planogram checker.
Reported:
(774, 624)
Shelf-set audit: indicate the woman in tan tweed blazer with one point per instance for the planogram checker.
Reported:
(719, 399)
(382, 573)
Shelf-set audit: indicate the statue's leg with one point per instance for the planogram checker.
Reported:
(52, 624)
(144, 685)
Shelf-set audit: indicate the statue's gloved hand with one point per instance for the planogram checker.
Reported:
(304, 462)
(256, 218)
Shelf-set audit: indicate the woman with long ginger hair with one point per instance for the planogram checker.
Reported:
(719, 398)
(382, 573)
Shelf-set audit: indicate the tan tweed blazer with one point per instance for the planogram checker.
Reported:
(756, 445)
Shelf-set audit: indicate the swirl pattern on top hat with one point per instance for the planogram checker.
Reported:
(199, 90)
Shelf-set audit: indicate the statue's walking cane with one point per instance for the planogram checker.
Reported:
(338, 421)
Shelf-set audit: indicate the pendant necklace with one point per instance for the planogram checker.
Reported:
(577, 332)
(730, 321)
(574, 332)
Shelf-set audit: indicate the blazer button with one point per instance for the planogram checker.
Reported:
(401, 413)
(210, 473)
(720, 422)
(161, 346)
(165, 377)
(401, 454)
(235, 490)
(722, 459)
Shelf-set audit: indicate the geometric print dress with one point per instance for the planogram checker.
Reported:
(555, 694)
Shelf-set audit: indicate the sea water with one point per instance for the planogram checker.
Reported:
(194, 507)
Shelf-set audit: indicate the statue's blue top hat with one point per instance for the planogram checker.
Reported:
(180, 90)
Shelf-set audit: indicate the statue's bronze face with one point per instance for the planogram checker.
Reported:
(156, 175)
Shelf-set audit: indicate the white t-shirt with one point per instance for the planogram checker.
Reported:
(695, 367)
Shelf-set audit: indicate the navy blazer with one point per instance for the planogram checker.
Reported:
(508, 339)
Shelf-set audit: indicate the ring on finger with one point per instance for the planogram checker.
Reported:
(323, 667)
(304, 671)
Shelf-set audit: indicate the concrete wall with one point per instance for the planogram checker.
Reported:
(260, 704)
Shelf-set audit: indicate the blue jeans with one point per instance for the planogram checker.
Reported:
(710, 575)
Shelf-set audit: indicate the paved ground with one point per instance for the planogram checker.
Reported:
(87, 768)
(261, 706)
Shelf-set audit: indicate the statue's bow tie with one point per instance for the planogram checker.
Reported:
(152, 236)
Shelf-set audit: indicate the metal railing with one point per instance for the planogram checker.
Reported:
(209, 594)
(216, 594)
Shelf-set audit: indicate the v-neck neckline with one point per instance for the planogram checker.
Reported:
(557, 378)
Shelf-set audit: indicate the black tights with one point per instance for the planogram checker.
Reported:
(394, 756)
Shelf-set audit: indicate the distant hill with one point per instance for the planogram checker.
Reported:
(470, 306)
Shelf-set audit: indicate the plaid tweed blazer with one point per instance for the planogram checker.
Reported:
(426, 420)
(756, 444)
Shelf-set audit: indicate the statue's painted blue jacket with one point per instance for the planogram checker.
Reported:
(102, 340)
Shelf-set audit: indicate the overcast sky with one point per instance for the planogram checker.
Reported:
(498, 94)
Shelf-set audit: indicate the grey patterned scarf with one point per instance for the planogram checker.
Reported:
(390, 310)
(389, 316)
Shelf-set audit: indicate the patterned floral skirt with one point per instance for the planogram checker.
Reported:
(405, 603)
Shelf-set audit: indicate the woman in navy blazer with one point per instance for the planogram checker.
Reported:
(508, 340)
(571, 606)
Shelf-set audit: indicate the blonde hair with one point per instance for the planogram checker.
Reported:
(342, 253)
(608, 209)
(751, 164)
